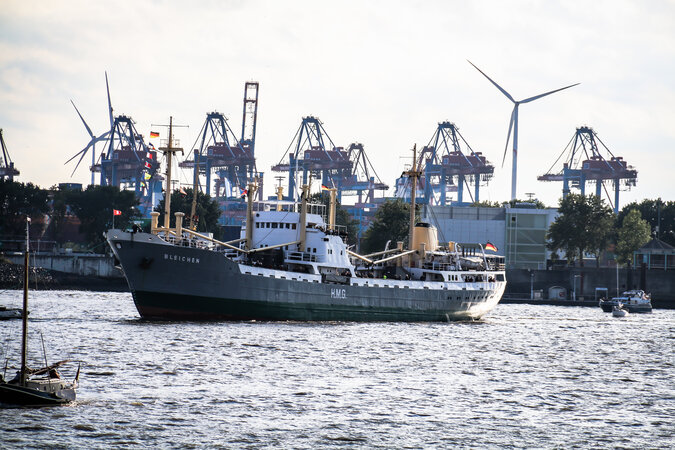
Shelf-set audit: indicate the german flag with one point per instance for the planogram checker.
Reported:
(490, 246)
(154, 134)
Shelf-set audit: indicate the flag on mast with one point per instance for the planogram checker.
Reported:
(490, 246)
(117, 212)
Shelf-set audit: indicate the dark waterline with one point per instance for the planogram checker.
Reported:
(525, 376)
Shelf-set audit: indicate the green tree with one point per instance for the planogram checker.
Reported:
(342, 217)
(18, 200)
(584, 224)
(633, 234)
(59, 209)
(652, 211)
(94, 207)
(391, 222)
(514, 203)
(207, 211)
(486, 204)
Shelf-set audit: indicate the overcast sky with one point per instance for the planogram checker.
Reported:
(382, 73)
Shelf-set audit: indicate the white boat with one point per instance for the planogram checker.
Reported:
(617, 311)
(635, 301)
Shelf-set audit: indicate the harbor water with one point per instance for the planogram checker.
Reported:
(524, 376)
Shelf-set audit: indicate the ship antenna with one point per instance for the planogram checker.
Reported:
(412, 174)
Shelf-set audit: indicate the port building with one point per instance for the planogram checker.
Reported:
(519, 233)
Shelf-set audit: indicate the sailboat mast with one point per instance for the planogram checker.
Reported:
(24, 315)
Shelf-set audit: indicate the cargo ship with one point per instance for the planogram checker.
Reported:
(291, 263)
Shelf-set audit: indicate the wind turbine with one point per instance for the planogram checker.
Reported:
(94, 139)
(513, 124)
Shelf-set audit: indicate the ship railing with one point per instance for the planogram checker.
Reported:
(301, 256)
(188, 242)
(439, 266)
(340, 230)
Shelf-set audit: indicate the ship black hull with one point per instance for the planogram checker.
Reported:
(170, 282)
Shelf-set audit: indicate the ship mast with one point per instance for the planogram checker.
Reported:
(169, 150)
(24, 314)
(252, 188)
(412, 174)
(193, 209)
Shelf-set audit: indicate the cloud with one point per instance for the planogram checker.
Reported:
(381, 73)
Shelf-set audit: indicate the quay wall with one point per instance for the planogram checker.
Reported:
(660, 283)
(86, 264)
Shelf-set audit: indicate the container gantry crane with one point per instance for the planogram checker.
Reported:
(362, 178)
(7, 169)
(127, 162)
(314, 152)
(232, 160)
(447, 168)
(584, 163)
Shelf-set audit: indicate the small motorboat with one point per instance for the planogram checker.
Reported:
(608, 305)
(618, 311)
(635, 301)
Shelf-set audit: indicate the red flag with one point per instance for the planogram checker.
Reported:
(117, 212)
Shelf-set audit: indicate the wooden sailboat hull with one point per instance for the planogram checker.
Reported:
(13, 394)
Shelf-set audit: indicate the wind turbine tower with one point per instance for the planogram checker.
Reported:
(513, 125)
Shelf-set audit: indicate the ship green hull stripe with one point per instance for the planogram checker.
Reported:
(152, 305)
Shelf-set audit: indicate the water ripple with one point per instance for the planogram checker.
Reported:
(509, 380)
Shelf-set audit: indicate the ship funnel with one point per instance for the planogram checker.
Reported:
(425, 233)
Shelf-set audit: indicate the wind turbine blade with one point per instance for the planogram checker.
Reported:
(508, 136)
(103, 137)
(84, 150)
(82, 119)
(110, 109)
(491, 81)
(527, 100)
(84, 153)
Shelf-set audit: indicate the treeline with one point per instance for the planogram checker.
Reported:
(92, 206)
(52, 207)
(586, 225)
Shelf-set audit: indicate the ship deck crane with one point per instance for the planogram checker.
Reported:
(583, 162)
